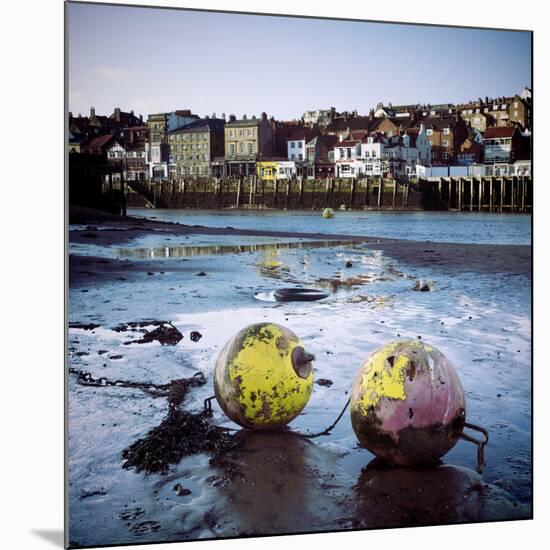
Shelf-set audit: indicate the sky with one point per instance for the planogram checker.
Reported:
(159, 60)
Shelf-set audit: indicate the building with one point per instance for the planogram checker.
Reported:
(275, 169)
(296, 144)
(321, 117)
(505, 145)
(157, 149)
(445, 135)
(246, 141)
(320, 157)
(193, 147)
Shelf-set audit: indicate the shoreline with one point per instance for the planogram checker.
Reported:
(462, 257)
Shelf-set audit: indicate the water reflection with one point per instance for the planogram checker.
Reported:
(293, 497)
(398, 497)
(208, 250)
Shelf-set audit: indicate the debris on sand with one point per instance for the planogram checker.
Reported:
(201, 274)
(180, 490)
(324, 382)
(89, 235)
(166, 333)
(349, 263)
(422, 286)
(84, 326)
(195, 336)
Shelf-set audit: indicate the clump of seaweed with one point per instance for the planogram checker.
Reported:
(180, 434)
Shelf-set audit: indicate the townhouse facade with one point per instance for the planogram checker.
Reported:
(246, 141)
(193, 147)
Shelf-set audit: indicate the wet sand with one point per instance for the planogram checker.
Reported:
(283, 483)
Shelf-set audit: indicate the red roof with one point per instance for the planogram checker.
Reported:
(100, 141)
(501, 132)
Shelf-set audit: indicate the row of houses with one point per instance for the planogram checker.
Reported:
(390, 141)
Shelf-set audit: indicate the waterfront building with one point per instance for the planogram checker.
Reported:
(275, 169)
(296, 144)
(157, 149)
(504, 145)
(246, 141)
(320, 157)
(193, 147)
(445, 134)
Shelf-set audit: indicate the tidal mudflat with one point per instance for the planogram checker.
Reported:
(214, 281)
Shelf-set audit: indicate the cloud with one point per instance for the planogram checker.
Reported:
(113, 73)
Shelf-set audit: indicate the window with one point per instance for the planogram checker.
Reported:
(515, 114)
(515, 103)
(445, 143)
(445, 155)
(249, 132)
(232, 149)
(429, 133)
(250, 148)
(292, 144)
(446, 131)
(241, 147)
(300, 157)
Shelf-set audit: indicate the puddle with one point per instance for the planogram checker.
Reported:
(181, 251)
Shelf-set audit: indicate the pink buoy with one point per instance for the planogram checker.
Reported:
(408, 405)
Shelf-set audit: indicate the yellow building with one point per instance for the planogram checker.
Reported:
(267, 170)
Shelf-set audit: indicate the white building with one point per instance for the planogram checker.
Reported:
(286, 169)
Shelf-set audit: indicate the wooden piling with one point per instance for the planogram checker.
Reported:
(394, 192)
(471, 194)
(380, 186)
(512, 194)
(239, 191)
(490, 193)
(522, 194)
(481, 189)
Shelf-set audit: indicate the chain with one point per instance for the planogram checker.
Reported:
(174, 390)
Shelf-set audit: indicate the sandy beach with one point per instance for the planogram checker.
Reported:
(214, 281)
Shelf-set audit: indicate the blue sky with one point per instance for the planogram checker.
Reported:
(154, 60)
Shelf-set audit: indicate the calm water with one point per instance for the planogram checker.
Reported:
(464, 227)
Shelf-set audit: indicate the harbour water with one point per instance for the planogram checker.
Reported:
(454, 227)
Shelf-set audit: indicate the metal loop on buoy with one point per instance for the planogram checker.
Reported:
(480, 444)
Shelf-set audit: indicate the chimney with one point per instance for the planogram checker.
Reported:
(132, 112)
(70, 114)
(244, 117)
(223, 116)
(253, 117)
(213, 115)
(141, 118)
(232, 118)
(264, 116)
(117, 114)
(92, 112)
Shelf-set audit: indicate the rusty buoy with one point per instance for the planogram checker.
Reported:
(408, 405)
(263, 377)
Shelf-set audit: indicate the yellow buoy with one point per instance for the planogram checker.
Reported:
(328, 213)
(263, 377)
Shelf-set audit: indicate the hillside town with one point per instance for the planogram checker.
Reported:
(483, 137)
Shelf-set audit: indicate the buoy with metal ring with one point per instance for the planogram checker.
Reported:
(407, 405)
(263, 377)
